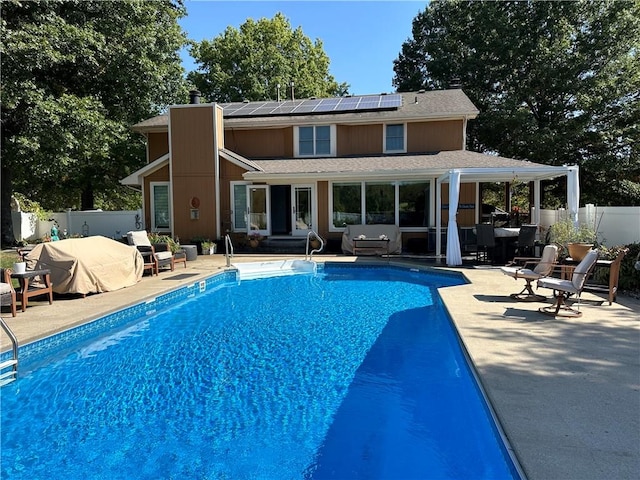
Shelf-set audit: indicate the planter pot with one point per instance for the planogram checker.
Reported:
(209, 251)
(315, 244)
(254, 243)
(577, 251)
(19, 267)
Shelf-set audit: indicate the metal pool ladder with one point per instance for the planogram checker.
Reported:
(228, 245)
(308, 254)
(9, 376)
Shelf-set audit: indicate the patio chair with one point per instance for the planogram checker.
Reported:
(521, 268)
(611, 289)
(7, 292)
(153, 259)
(485, 241)
(526, 240)
(565, 288)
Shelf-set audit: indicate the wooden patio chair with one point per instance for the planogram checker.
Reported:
(7, 292)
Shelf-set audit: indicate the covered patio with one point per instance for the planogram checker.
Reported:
(528, 172)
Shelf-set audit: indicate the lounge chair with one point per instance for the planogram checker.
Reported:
(565, 288)
(7, 292)
(153, 259)
(543, 268)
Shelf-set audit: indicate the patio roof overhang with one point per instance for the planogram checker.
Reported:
(137, 178)
(529, 174)
(497, 174)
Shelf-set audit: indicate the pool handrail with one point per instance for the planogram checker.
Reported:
(10, 376)
(308, 255)
(228, 245)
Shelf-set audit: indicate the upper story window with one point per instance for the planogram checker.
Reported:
(394, 138)
(315, 141)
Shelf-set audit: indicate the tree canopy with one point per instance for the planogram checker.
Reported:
(555, 82)
(75, 76)
(250, 62)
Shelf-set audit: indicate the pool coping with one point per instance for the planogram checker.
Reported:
(550, 380)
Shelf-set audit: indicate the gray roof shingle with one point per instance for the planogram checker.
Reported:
(415, 106)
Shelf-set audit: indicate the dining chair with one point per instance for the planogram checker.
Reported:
(524, 246)
(486, 241)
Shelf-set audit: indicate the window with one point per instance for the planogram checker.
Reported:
(160, 208)
(314, 141)
(413, 204)
(380, 200)
(239, 202)
(394, 138)
(347, 204)
(406, 204)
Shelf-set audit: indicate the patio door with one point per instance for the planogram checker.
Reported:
(301, 209)
(258, 209)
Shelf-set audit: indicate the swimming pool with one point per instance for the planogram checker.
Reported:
(350, 373)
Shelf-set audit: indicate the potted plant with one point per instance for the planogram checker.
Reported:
(164, 242)
(314, 242)
(254, 238)
(208, 247)
(573, 241)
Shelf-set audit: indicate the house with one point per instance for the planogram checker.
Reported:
(284, 168)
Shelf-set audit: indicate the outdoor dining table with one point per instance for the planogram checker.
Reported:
(505, 236)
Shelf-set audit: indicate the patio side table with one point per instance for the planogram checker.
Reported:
(28, 289)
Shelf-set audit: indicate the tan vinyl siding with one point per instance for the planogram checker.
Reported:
(158, 145)
(435, 136)
(466, 217)
(265, 143)
(323, 208)
(193, 170)
(359, 139)
(229, 172)
(219, 127)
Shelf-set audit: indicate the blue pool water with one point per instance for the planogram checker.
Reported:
(354, 373)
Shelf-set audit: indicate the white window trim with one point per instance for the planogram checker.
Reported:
(152, 186)
(332, 141)
(232, 194)
(404, 140)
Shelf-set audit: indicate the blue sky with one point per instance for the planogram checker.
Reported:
(361, 38)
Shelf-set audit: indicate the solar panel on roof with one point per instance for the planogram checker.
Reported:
(327, 105)
(389, 101)
(348, 103)
(312, 105)
(308, 106)
(369, 103)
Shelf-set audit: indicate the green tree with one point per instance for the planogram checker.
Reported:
(555, 82)
(75, 76)
(249, 63)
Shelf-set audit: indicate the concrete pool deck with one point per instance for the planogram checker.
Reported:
(566, 391)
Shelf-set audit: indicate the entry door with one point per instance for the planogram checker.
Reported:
(302, 209)
(258, 209)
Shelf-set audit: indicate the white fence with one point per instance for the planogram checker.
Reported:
(615, 225)
(108, 224)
